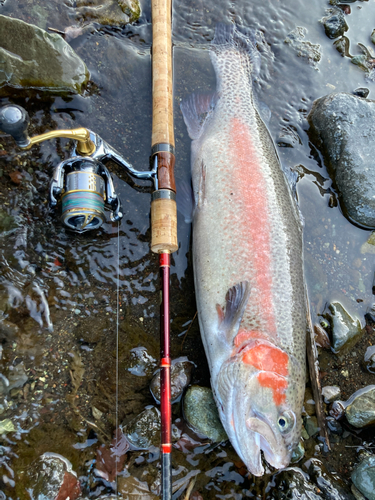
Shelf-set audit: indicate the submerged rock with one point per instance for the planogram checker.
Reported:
(200, 413)
(6, 426)
(51, 477)
(109, 12)
(342, 127)
(180, 379)
(346, 331)
(330, 484)
(363, 477)
(304, 48)
(298, 453)
(292, 484)
(32, 58)
(334, 23)
(144, 430)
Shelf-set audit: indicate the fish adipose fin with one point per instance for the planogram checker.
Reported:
(236, 301)
(196, 110)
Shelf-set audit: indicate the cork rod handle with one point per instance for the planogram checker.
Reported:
(162, 79)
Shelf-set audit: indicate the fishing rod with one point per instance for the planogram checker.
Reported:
(163, 208)
(81, 190)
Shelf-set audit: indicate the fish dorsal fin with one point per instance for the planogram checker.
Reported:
(236, 300)
(196, 109)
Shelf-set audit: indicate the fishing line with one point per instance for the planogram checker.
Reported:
(117, 346)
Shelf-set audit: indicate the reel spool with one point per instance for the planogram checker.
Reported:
(83, 187)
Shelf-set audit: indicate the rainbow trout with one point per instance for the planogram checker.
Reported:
(247, 255)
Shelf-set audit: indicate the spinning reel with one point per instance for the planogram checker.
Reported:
(81, 185)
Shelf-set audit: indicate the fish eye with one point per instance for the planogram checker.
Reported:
(286, 421)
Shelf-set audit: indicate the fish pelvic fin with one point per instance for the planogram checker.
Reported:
(196, 110)
(236, 300)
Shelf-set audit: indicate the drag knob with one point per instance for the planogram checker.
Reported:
(14, 121)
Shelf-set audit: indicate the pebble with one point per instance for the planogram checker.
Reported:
(304, 48)
(200, 413)
(363, 477)
(144, 430)
(361, 411)
(334, 23)
(331, 393)
(346, 331)
(311, 426)
(298, 453)
(180, 378)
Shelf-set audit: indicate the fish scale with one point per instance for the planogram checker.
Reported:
(247, 236)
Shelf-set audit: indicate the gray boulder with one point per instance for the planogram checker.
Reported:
(32, 58)
(341, 126)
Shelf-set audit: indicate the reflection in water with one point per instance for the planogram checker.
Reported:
(58, 290)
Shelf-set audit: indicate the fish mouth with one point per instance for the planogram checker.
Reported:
(272, 444)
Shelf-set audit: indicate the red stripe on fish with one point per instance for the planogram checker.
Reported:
(250, 184)
(267, 358)
(276, 383)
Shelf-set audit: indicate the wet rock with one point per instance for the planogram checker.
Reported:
(292, 484)
(131, 487)
(341, 126)
(363, 477)
(330, 393)
(346, 331)
(334, 426)
(369, 359)
(330, 484)
(108, 12)
(361, 92)
(200, 413)
(304, 49)
(6, 426)
(361, 410)
(180, 379)
(51, 477)
(357, 494)
(298, 453)
(365, 61)
(311, 426)
(334, 23)
(144, 431)
(33, 58)
(141, 362)
(4, 384)
(7, 222)
(342, 46)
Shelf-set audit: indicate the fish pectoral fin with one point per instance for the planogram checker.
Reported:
(196, 109)
(236, 300)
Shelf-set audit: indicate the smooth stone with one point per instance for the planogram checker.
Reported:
(298, 453)
(341, 126)
(363, 477)
(32, 58)
(361, 92)
(357, 494)
(346, 331)
(361, 411)
(144, 430)
(200, 413)
(17, 376)
(304, 48)
(334, 23)
(334, 426)
(330, 393)
(180, 378)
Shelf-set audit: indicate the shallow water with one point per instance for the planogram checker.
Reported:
(58, 291)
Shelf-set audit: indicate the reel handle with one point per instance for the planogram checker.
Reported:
(14, 120)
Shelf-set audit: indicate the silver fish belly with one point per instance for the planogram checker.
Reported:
(248, 267)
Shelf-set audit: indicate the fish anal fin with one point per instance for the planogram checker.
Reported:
(236, 300)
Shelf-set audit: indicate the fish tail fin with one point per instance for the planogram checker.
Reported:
(242, 39)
